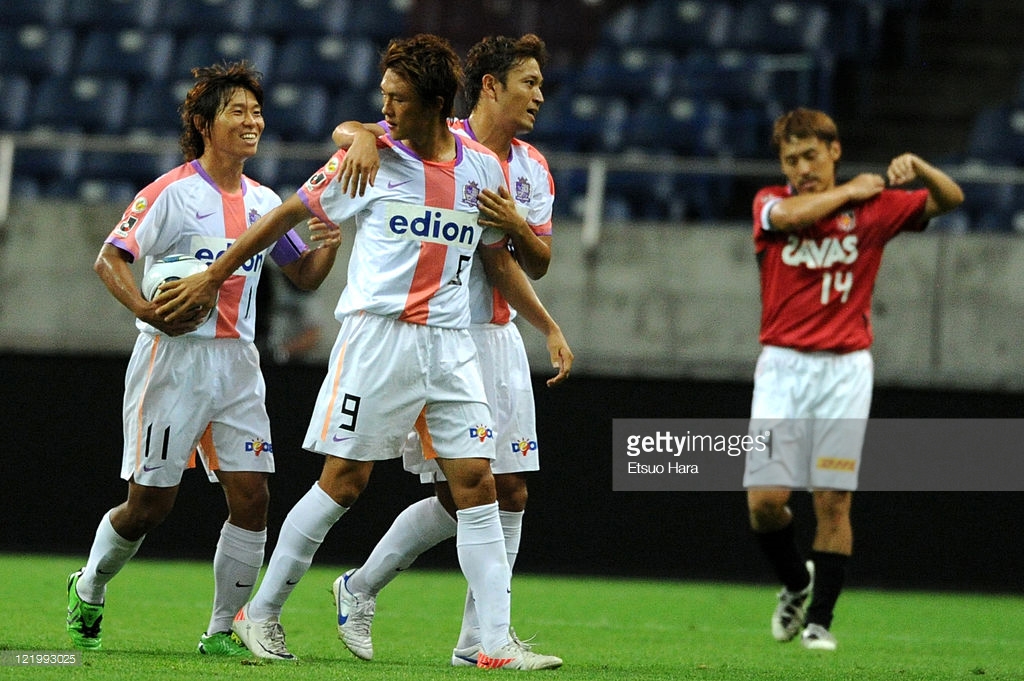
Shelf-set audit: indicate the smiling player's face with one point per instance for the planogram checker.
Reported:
(238, 126)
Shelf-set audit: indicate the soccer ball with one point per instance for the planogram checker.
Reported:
(171, 268)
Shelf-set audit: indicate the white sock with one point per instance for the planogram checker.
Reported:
(236, 565)
(482, 558)
(512, 528)
(302, 533)
(109, 553)
(419, 527)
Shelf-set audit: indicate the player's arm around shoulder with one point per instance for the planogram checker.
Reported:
(944, 194)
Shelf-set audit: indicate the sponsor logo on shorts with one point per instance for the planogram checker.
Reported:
(434, 225)
(481, 433)
(523, 446)
(257, 446)
(826, 463)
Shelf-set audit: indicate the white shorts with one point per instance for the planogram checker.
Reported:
(184, 396)
(816, 407)
(509, 389)
(382, 374)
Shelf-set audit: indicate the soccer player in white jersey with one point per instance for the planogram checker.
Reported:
(503, 79)
(193, 385)
(819, 246)
(404, 350)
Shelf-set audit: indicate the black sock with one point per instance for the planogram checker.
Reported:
(780, 548)
(829, 576)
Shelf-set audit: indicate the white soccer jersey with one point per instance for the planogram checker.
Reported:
(183, 211)
(531, 185)
(416, 231)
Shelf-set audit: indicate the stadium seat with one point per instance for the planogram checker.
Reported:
(580, 122)
(685, 125)
(21, 12)
(283, 18)
(155, 107)
(380, 21)
(781, 26)
(215, 16)
(130, 53)
(296, 112)
(334, 61)
(36, 51)
(997, 135)
(15, 102)
(134, 167)
(632, 72)
(81, 104)
(354, 104)
(683, 25)
(206, 49)
(108, 15)
(43, 167)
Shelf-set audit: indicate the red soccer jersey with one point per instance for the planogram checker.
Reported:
(817, 283)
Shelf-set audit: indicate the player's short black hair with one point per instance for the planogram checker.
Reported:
(497, 55)
(429, 64)
(211, 92)
(804, 123)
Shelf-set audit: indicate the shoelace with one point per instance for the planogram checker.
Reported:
(363, 615)
(273, 632)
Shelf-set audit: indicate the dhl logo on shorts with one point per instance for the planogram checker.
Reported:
(832, 464)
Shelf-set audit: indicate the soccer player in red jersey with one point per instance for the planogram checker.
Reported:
(819, 246)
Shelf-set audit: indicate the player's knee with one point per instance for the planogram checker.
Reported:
(511, 492)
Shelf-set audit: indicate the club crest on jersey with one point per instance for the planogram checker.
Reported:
(846, 221)
(253, 216)
(436, 225)
(522, 190)
(523, 446)
(471, 193)
(258, 445)
(481, 433)
(814, 254)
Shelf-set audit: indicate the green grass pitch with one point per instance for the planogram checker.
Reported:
(604, 629)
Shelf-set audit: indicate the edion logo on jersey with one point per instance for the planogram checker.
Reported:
(434, 225)
(207, 249)
(814, 254)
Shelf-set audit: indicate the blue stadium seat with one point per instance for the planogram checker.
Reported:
(215, 16)
(81, 104)
(15, 102)
(206, 49)
(380, 21)
(354, 104)
(632, 72)
(683, 25)
(107, 15)
(20, 12)
(997, 135)
(136, 168)
(581, 122)
(685, 125)
(155, 107)
(43, 167)
(781, 26)
(113, 191)
(36, 51)
(283, 18)
(297, 112)
(130, 53)
(334, 61)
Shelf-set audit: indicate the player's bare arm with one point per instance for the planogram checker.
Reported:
(113, 267)
(362, 160)
(313, 266)
(533, 253)
(803, 210)
(944, 194)
(178, 298)
(505, 274)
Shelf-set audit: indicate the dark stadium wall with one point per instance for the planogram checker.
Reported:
(61, 420)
